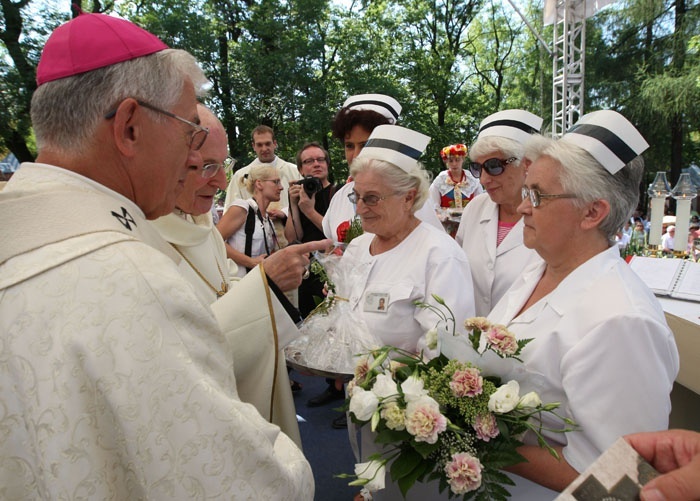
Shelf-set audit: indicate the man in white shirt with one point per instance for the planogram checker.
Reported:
(667, 239)
(117, 382)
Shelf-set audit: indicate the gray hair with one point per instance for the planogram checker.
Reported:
(417, 178)
(260, 171)
(66, 112)
(489, 144)
(583, 176)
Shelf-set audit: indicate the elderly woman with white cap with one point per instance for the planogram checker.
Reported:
(491, 229)
(409, 260)
(601, 345)
(403, 260)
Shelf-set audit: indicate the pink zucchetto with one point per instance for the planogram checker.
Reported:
(92, 41)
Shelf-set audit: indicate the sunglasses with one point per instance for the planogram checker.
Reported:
(494, 166)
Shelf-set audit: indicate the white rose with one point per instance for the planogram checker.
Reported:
(363, 403)
(530, 400)
(373, 473)
(385, 388)
(505, 398)
(413, 388)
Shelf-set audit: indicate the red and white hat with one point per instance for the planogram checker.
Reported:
(397, 145)
(92, 41)
(384, 105)
(609, 137)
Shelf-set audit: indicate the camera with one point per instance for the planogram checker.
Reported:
(310, 184)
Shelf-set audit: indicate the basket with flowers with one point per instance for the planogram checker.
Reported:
(443, 418)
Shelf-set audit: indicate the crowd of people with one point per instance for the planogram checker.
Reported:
(142, 343)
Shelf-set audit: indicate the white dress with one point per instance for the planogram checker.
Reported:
(116, 381)
(426, 262)
(341, 210)
(494, 268)
(604, 350)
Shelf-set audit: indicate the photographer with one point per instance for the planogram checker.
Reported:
(308, 201)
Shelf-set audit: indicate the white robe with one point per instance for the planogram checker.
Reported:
(254, 322)
(115, 381)
(494, 268)
(341, 210)
(604, 350)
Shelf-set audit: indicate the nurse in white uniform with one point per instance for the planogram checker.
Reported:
(601, 341)
(407, 260)
(491, 229)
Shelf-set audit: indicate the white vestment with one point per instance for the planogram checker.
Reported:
(494, 268)
(602, 348)
(341, 210)
(254, 322)
(115, 381)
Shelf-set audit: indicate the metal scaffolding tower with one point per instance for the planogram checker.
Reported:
(568, 64)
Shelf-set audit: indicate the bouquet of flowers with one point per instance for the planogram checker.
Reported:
(443, 419)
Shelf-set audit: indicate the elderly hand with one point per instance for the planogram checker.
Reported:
(287, 266)
(675, 454)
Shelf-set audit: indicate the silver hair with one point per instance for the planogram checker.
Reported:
(261, 171)
(490, 144)
(66, 112)
(586, 178)
(401, 181)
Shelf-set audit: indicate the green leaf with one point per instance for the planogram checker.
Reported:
(407, 461)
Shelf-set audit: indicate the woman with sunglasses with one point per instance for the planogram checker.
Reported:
(491, 230)
(601, 345)
(246, 227)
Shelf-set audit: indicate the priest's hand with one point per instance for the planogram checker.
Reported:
(287, 266)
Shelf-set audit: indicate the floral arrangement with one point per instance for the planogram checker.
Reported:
(442, 419)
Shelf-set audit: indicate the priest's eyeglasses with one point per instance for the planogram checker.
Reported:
(211, 170)
(369, 200)
(494, 166)
(536, 197)
(198, 136)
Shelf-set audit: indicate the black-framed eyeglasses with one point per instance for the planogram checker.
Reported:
(494, 166)
(369, 200)
(311, 161)
(199, 134)
(536, 197)
(211, 170)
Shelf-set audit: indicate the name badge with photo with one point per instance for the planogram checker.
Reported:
(377, 302)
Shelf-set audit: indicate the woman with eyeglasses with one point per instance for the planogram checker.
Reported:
(601, 346)
(410, 259)
(490, 231)
(245, 226)
(401, 260)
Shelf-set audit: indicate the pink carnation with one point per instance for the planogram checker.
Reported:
(424, 420)
(502, 340)
(486, 427)
(463, 473)
(466, 383)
